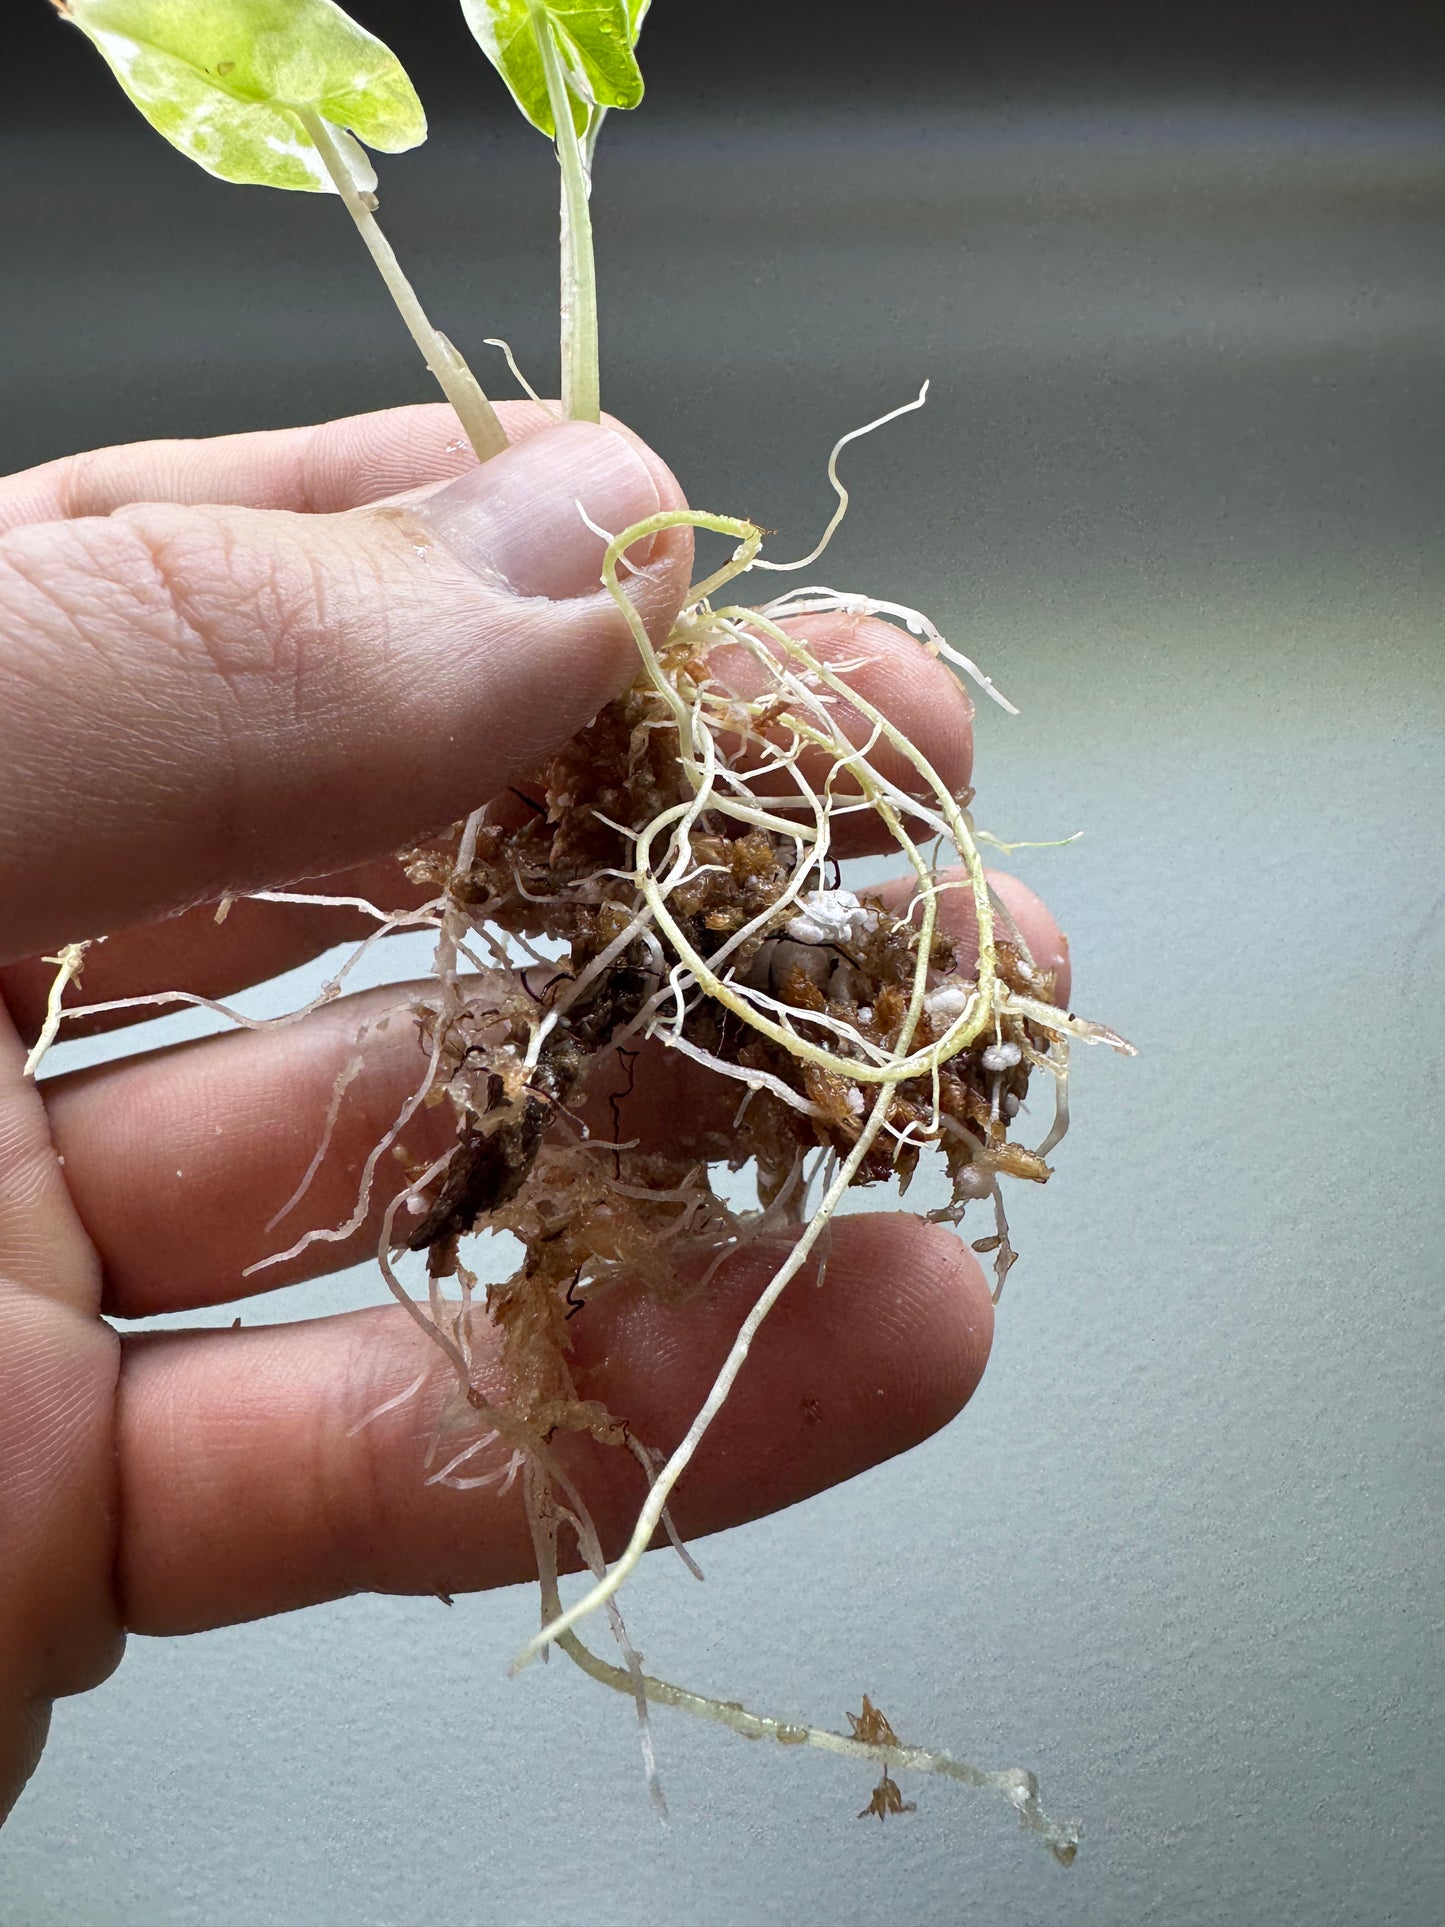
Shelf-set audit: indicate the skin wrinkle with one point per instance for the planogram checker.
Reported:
(212, 1446)
(59, 1632)
(349, 1483)
(75, 477)
(417, 468)
(25, 1186)
(217, 608)
(317, 691)
(39, 1440)
(321, 604)
(90, 628)
(227, 595)
(292, 616)
(32, 622)
(38, 1224)
(487, 640)
(275, 1113)
(115, 604)
(303, 468)
(213, 816)
(83, 476)
(219, 784)
(20, 1754)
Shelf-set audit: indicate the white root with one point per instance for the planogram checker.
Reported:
(853, 435)
(71, 958)
(663, 852)
(338, 1234)
(348, 1074)
(68, 964)
(1017, 1785)
(391, 1404)
(756, 1080)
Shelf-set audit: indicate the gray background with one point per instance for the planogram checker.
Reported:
(1179, 487)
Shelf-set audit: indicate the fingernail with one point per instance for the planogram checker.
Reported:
(515, 520)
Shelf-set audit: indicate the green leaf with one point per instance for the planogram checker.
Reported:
(594, 40)
(221, 80)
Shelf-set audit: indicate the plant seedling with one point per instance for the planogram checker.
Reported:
(565, 65)
(284, 93)
(679, 851)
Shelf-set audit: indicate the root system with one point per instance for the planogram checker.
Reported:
(670, 877)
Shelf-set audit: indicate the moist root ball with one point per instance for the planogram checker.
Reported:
(678, 850)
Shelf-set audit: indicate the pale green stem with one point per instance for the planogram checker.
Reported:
(460, 386)
(581, 390)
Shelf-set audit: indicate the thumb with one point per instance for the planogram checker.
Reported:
(197, 700)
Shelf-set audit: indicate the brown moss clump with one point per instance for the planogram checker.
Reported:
(555, 861)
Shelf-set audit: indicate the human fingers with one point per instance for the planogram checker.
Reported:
(319, 469)
(249, 1489)
(201, 700)
(219, 1133)
(192, 952)
(58, 1364)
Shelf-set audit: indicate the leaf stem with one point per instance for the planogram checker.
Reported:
(581, 388)
(460, 386)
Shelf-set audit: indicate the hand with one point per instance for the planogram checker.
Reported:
(327, 659)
